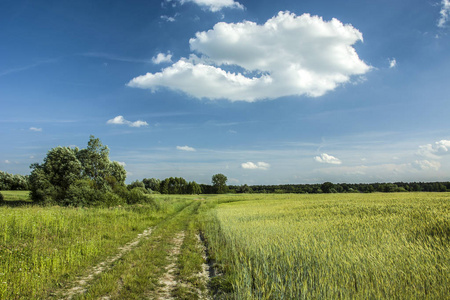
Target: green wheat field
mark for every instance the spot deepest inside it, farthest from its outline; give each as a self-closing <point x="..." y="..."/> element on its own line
<point x="333" y="246"/>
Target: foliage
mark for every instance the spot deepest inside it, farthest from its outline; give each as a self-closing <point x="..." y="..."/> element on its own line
<point x="328" y="187"/>
<point x="353" y="246"/>
<point x="69" y="176"/>
<point x="219" y="182"/>
<point x="10" y="182"/>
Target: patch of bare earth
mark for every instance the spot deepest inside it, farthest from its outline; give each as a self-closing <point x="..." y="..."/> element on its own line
<point x="168" y="281"/>
<point x="80" y="286"/>
<point x="206" y="272"/>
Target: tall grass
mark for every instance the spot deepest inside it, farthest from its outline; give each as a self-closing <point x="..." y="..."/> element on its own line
<point x="390" y="246"/>
<point x="43" y="248"/>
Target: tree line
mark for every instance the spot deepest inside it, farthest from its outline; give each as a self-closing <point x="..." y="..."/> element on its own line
<point x="80" y="177"/>
<point x="329" y="187"/>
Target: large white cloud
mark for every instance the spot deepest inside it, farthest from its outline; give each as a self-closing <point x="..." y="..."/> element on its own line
<point x="288" y="55"/>
<point x="328" y="159"/>
<point x="258" y="166"/>
<point x="120" y="120"/>
<point x="445" y="13"/>
<point x="215" y="5"/>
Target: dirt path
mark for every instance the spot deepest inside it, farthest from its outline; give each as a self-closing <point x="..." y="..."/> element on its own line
<point x="80" y="285"/>
<point x="205" y="274"/>
<point x="168" y="279"/>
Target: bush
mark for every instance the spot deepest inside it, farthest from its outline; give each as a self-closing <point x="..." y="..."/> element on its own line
<point x="1" y="198"/>
<point x="139" y="196"/>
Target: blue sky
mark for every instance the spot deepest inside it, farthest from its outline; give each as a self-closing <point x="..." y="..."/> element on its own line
<point x="265" y="92"/>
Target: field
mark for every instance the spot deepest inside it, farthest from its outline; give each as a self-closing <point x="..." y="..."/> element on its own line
<point x="351" y="246"/>
<point x="16" y="195"/>
<point x="287" y="246"/>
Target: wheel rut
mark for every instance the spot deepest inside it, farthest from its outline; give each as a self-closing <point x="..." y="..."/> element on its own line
<point x="80" y="285"/>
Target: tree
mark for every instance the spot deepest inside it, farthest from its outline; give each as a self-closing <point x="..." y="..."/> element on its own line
<point x="219" y="182"/>
<point x="152" y="184"/>
<point x="193" y="188"/>
<point x="69" y="176"/>
<point x="95" y="161"/>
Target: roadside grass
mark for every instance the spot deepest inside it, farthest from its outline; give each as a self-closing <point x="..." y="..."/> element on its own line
<point x="42" y="249"/>
<point x="363" y="246"/>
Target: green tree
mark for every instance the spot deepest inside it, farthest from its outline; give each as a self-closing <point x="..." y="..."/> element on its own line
<point x="193" y="188"/>
<point x="69" y="176"/>
<point x="219" y="182"/>
<point x="52" y="179"/>
<point x="95" y="161"/>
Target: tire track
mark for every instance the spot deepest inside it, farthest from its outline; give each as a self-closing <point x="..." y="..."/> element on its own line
<point x="168" y="279"/>
<point x="80" y="286"/>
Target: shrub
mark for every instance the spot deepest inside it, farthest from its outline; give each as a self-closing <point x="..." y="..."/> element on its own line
<point x="1" y="198"/>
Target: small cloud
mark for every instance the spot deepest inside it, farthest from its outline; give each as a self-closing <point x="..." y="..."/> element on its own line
<point x="392" y="63"/>
<point x="162" y="58"/>
<point x="445" y="13"/>
<point x="434" y="151"/>
<point x="215" y="5"/>
<point x="120" y="120"/>
<point x="186" y="148"/>
<point x="7" y="162"/>
<point x="328" y="159"/>
<point x="233" y="181"/>
<point x="35" y="129"/>
<point x="258" y="166"/>
<point x="232" y="131"/>
<point x="123" y="164"/>
<point x="167" y="18"/>
<point x="31" y="156"/>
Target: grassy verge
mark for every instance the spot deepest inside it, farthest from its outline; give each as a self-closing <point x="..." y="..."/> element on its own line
<point x="389" y="246"/>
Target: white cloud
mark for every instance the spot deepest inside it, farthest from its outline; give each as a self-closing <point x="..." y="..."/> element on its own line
<point x="445" y="13"/>
<point x="215" y="5"/>
<point x="167" y="18"/>
<point x="328" y="159"/>
<point x="185" y="148"/>
<point x="120" y="120"/>
<point x="7" y="162"/>
<point x="258" y="166"/>
<point x="288" y="55"/>
<point x="427" y="164"/>
<point x="162" y="58"/>
<point x="392" y="63"/>
<point x="36" y="129"/>
<point x="434" y="151"/>
<point x="123" y="164"/>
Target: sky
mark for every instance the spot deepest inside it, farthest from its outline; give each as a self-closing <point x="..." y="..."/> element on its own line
<point x="265" y="92"/>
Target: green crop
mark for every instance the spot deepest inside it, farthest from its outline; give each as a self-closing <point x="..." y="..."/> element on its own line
<point x="351" y="246"/>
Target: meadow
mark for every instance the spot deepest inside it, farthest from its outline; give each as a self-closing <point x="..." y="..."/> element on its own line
<point x="44" y="250"/>
<point x="334" y="246"/>
<point x="262" y="246"/>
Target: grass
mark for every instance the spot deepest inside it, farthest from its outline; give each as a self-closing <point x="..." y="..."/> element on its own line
<point x="389" y="246"/>
<point x="370" y="246"/>
<point x="42" y="249"/>
<point x="16" y="195"/>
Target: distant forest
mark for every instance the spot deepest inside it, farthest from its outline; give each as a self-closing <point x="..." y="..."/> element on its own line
<point x="177" y="185"/>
